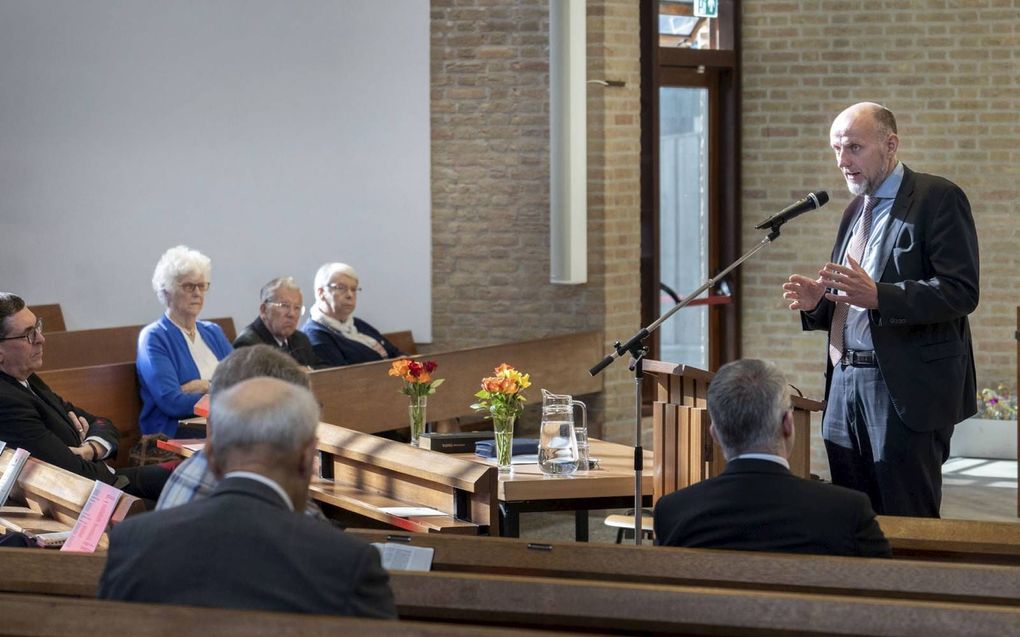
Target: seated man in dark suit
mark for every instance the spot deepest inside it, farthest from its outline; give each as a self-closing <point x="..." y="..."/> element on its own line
<point x="247" y="545"/>
<point x="51" y="429"/>
<point x="757" y="504"/>
<point x="280" y="309"/>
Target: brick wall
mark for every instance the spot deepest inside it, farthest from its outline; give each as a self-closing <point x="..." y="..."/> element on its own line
<point x="950" y="72"/>
<point x="490" y="181"/>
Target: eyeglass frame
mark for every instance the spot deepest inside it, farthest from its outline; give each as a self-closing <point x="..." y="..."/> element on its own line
<point x="191" y="288"/>
<point x="32" y="335"/>
<point x="284" y="306"/>
<point x="343" y="289"/>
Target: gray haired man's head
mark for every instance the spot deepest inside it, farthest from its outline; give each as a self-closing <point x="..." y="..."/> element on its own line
<point x="256" y="361"/>
<point x="748" y="400"/>
<point x="262" y="417"/>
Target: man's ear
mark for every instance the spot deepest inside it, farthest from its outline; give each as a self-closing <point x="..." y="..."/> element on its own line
<point x="892" y="144"/>
<point x="308" y="455"/>
<point x="714" y="434"/>
<point x="786" y="425"/>
<point x="213" y="459"/>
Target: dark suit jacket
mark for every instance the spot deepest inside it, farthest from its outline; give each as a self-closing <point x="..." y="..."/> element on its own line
<point x="334" y="350"/>
<point x="38" y="422"/>
<point x="243" y="548"/>
<point x="298" y="345"/>
<point x="758" y="505"/>
<point x="928" y="286"/>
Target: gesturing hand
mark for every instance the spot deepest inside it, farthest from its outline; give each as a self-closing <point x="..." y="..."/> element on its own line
<point x="803" y="293"/>
<point x="856" y="285"/>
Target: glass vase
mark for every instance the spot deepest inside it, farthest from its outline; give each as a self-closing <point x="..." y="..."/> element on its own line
<point x="503" y="428"/>
<point x="416" y="417"/>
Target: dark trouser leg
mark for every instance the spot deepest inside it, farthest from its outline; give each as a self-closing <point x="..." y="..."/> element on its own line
<point x="870" y="448"/>
<point x="145" y="482"/>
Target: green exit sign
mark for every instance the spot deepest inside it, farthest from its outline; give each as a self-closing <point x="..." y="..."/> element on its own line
<point x="706" y="8"/>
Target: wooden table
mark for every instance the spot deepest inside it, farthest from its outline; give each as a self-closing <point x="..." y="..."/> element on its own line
<point x="611" y="486"/>
<point x="528" y="490"/>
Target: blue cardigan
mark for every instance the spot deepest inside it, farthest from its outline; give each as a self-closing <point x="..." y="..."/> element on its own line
<point x="164" y="364"/>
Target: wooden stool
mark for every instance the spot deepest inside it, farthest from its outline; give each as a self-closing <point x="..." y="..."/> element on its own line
<point x="624" y="523"/>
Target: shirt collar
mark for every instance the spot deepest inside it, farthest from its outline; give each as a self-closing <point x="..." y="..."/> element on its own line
<point x="891" y="185"/>
<point x="764" y="456"/>
<point x="264" y="480"/>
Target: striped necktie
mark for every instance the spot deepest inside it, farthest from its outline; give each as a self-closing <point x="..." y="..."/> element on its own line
<point x="837" y="328"/>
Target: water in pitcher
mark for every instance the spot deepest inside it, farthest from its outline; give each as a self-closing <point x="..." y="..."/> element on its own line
<point x="557" y="448"/>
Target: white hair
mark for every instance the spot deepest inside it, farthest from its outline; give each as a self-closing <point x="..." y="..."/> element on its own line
<point x="329" y="270"/>
<point x="269" y="290"/>
<point x="175" y="263"/>
<point x="263" y="412"/>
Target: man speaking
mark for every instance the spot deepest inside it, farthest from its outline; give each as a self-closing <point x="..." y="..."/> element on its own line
<point x="894" y="300"/>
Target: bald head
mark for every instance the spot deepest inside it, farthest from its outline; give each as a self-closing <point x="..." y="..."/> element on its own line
<point x="865" y="141"/>
<point x="268" y="417"/>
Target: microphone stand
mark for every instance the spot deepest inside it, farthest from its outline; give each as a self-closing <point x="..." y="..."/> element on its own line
<point x="637" y="350"/>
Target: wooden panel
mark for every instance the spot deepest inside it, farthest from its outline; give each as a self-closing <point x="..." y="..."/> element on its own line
<point x="404" y="341"/>
<point x="719" y="568"/>
<point x="52" y="317"/>
<point x="637" y="608"/>
<point x="953" y="540"/>
<point x="110" y="391"/>
<point x="102" y="346"/>
<point x="364" y="398"/>
<point x="37" y="616"/>
<point x="369" y="505"/>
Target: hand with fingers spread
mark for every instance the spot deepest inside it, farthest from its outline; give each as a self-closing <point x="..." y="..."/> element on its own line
<point x="803" y="293"/>
<point x="854" y="284"/>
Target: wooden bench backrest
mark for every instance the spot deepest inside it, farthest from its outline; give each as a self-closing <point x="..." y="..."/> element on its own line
<point x="970" y="541"/>
<point x="364" y="398"/>
<point x="881" y="578"/>
<point x="60" y="494"/>
<point x="110" y="391"/>
<point x="36" y="615"/>
<point x="102" y="346"/>
<point x="52" y="317"/>
<point x="404" y="341"/>
<point x="466" y="490"/>
<point x="567" y="604"/>
<point x="639" y="608"/>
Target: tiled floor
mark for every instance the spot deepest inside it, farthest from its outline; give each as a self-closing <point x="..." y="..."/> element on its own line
<point x="973" y="489"/>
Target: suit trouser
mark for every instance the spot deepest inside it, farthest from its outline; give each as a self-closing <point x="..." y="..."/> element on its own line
<point x="870" y="449"/>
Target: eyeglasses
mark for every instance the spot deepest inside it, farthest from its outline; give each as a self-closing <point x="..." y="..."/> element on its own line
<point x="287" y="307"/>
<point x="191" y="288"/>
<point x="33" y="334"/>
<point x="343" y="289"/>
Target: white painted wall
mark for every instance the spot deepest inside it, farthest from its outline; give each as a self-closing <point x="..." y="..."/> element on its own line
<point x="271" y="135"/>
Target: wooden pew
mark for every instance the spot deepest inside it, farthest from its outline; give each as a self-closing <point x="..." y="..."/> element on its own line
<point x="52" y="317"/>
<point x="585" y="605"/>
<point x="110" y="391"/>
<point x="363" y="473"/>
<point x="102" y="346"/>
<point x="404" y="341"/>
<point x="49" y="616"/>
<point x="57" y="495"/>
<point x="977" y="542"/>
<point x="364" y="398"/>
<point x="881" y="578"/>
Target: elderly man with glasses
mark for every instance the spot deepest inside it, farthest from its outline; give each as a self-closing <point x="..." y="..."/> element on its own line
<point x="280" y="310"/>
<point x="53" y="430"/>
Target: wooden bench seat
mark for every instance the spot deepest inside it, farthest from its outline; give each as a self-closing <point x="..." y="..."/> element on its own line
<point x="881" y="578"/>
<point x="363" y="473"/>
<point x="52" y="317"/>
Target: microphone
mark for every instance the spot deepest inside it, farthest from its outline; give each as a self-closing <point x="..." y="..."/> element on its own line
<point x="812" y="201"/>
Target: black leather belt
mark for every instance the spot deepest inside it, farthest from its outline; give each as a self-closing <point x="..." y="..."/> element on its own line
<point x="860" y="358"/>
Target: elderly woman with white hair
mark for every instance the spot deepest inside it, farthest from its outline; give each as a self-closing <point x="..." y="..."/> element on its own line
<point x="337" y="337"/>
<point x="178" y="353"/>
